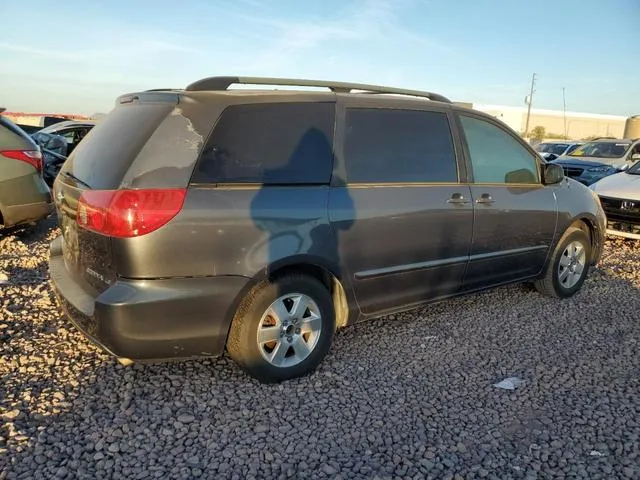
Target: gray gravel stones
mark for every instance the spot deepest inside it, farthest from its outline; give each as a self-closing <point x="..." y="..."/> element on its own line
<point x="408" y="396"/>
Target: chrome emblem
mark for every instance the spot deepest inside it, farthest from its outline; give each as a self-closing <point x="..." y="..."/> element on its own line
<point x="95" y="274"/>
<point x="627" y="205"/>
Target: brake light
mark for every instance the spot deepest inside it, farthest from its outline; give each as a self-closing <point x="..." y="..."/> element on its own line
<point x="32" y="157"/>
<point x="128" y="213"/>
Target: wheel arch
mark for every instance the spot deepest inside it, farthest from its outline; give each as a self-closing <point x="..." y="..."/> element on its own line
<point x="590" y="227"/>
<point x="328" y="274"/>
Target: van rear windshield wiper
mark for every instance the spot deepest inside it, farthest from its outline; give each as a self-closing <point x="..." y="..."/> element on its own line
<point x="76" y="179"/>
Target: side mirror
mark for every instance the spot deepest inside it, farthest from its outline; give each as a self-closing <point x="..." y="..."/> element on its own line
<point x="551" y="157"/>
<point x="553" y="174"/>
<point x="635" y="157"/>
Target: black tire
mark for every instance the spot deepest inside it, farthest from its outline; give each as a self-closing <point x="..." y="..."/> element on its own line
<point x="242" y="343"/>
<point x="550" y="284"/>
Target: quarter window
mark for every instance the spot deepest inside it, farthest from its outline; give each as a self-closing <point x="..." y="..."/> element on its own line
<point x="398" y="146"/>
<point x="497" y="157"/>
<point x="282" y="143"/>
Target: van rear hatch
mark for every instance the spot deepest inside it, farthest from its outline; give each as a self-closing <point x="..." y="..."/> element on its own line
<point x="89" y="188"/>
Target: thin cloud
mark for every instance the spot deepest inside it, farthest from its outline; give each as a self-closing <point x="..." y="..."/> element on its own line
<point x="250" y="40"/>
<point x="99" y="51"/>
<point x="40" y="52"/>
<point x="371" y="20"/>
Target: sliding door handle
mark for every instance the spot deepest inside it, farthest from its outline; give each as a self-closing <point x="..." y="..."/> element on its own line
<point x="485" y="199"/>
<point x="458" y="199"/>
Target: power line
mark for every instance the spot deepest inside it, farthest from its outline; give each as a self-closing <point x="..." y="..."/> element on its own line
<point x="564" y="113"/>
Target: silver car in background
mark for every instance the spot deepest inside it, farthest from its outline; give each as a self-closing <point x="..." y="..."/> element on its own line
<point x="620" y="198"/>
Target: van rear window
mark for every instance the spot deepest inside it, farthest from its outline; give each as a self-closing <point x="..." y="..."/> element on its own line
<point x="103" y="157"/>
<point x="274" y="143"/>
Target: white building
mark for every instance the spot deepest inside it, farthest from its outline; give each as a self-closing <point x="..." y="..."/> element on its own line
<point x="575" y="125"/>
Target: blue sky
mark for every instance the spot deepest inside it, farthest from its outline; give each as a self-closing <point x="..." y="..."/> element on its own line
<point x="77" y="56"/>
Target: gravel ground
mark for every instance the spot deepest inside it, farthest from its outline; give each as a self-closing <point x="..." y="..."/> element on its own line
<point x="407" y="397"/>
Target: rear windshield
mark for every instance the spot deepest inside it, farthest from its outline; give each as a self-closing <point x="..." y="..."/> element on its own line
<point x="102" y="158"/>
<point x="11" y="135"/>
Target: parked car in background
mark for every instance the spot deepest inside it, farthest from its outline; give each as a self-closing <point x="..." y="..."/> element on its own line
<point x="72" y="130"/>
<point x="206" y="218"/>
<point x="620" y="197"/>
<point x="45" y="121"/>
<point x="54" y="149"/>
<point x="595" y="160"/>
<point x="57" y="142"/>
<point x="24" y="196"/>
<point x="553" y="149"/>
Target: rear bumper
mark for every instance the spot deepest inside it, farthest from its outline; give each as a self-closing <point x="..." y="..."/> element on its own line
<point x="31" y="212"/>
<point x="150" y="319"/>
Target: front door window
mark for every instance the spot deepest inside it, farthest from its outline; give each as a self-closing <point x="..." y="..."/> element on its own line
<point x="497" y="157"/>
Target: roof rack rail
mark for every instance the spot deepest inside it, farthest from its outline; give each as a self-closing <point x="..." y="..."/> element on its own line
<point x="223" y="83"/>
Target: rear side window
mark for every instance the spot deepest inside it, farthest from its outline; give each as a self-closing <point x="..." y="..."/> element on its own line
<point x="282" y="143"/>
<point x="106" y="153"/>
<point x="398" y="146"/>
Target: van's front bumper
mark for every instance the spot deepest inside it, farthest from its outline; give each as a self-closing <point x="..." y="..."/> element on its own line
<point x="150" y="319"/>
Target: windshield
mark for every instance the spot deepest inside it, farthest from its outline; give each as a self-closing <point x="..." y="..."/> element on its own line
<point x="572" y="148"/>
<point x="555" y="148"/>
<point x="635" y="169"/>
<point x="601" y="149"/>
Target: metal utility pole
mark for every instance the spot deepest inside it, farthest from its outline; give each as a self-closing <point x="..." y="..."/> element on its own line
<point x="528" y="100"/>
<point x="564" y="113"/>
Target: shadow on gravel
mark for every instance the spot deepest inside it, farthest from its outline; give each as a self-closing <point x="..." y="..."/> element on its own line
<point x="18" y="230"/>
<point x="31" y="233"/>
<point x="408" y="396"/>
<point x="33" y="276"/>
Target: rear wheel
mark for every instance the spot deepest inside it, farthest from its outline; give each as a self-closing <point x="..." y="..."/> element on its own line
<point x="283" y="328"/>
<point x="569" y="265"/>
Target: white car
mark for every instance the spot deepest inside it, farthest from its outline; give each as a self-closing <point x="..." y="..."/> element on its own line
<point x="620" y="198"/>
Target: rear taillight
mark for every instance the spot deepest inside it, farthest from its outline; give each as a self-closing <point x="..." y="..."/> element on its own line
<point x="32" y="157"/>
<point x="128" y="213"/>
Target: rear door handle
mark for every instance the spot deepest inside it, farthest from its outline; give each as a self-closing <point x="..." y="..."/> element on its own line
<point x="485" y="199"/>
<point x="457" y="199"/>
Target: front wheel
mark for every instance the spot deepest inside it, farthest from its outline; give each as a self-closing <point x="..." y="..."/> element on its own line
<point x="568" y="267"/>
<point x="283" y="328"/>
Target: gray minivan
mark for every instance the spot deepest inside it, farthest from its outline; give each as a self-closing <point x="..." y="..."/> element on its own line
<point x="260" y="220"/>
